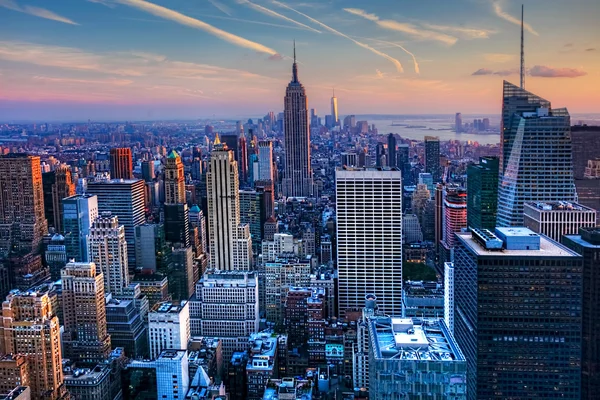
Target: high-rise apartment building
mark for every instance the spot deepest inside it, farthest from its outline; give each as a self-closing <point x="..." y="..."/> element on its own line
<point x="557" y="218"/>
<point x="79" y="213"/>
<point x="535" y="159"/>
<point x="108" y="250"/>
<point x="587" y="243"/>
<point x="225" y="306"/>
<point x="265" y="161"/>
<point x="437" y="366"/>
<point x="533" y="350"/>
<point x="174" y="179"/>
<point x="29" y="327"/>
<point x="391" y="151"/>
<point x="124" y="198"/>
<point x="482" y="193"/>
<point x="58" y="184"/>
<point x="85" y="336"/>
<point x="297" y="179"/>
<point x="22" y="219"/>
<point x="369" y="238"/>
<point x="432" y="157"/>
<point x="230" y="241"/>
<point x="121" y="163"/>
<point x="168" y="327"/>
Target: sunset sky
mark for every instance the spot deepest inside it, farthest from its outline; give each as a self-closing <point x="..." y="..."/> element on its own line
<point x="136" y="59"/>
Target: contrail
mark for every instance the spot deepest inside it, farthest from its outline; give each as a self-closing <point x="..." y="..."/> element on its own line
<point x="182" y="19"/>
<point x="36" y="11"/>
<point x="249" y="21"/>
<point x="417" y="70"/>
<point x="275" y="14"/>
<point x="222" y="7"/>
<point x="396" y="63"/>
<point x="502" y="14"/>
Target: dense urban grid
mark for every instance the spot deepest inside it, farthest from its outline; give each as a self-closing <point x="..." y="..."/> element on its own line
<point x="287" y="258"/>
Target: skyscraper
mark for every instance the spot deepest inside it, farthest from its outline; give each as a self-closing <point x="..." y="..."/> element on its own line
<point x="458" y="123"/>
<point x="79" y="213"/>
<point x="108" y="250"/>
<point x="243" y="157"/>
<point x="124" y="198"/>
<point x="230" y="242"/>
<point x="369" y="238"/>
<point x="86" y="337"/>
<point x="22" y="219"/>
<point x="482" y="193"/>
<point x="265" y="161"/>
<point x="534" y="350"/>
<point x="432" y="157"/>
<point x="334" y="109"/>
<point x="555" y="219"/>
<point x="121" y="164"/>
<point x="168" y="327"/>
<point x="297" y="180"/>
<point x="30" y="327"/>
<point x="391" y="157"/>
<point x="174" y="179"/>
<point x="587" y="243"/>
<point x="536" y="160"/>
<point x="454" y="218"/>
<point x="148" y="170"/>
<point x="57" y="185"/>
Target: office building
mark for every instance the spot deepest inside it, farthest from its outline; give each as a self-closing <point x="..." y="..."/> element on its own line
<point x="236" y="375"/>
<point x="30" y="328"/>
<point x="411" y="229"/>
<point x="297" y="178"/>
<point x="558" y="218"/>
<point x="449" y="296"/>
<point x="13" y="373"/>
<point x="454" y="217"/>
<point x="174" y="179"/>
<point x="587" y="243"/>
<point x="230" y="241"/>
<point x="458" y="126"/>
<point x="538" y="349"/>
<point x="88" y="383"/>
<point x="152" y="252"/>
<point x="432" y="157"/>
<point x="535" y="159"/>
<point x="79" y="213"/>
<point x="586" y="147"/>
<point x="334" y="110"/>
<point x="391" y="151"/>
<point x="262" y="363"/>
<point x="279" y="276"/>
<point x="57" y="184"/>
<point x="414" y="361"/>
<point x="380" y="160"/>
<point x="148" y="171"/>
<point x="183" y="273"/>
<point x="121" y="163"/>
<point x="126" y="328"/>
<point x="124" y="198"/>
<point x="168" y="327"/>
<point x="425" y="178"/>
<point x="265" y="161"/>
<point x="177" y="224"/>
<point x="22" y="220"/>
<point x="108" y="250"/>
<point x="154" y="286"/>
<point x="85" y="336"/>
<point x="225" y="306"/>
<point x="482" y="193"/>
<point x="423" y="300"/>
<point x="172" y="375"/>
<point x="369" y="238"/>
<point x="56" y="256"/>
<point x="253" y="214"/>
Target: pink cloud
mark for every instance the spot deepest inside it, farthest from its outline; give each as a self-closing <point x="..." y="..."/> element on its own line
<point x="551" y="72"/>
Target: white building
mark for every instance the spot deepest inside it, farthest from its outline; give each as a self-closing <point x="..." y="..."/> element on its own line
<point x="108" y="249"/>
<point x="168" y="327"/>
<point x="558" y="218"/>
<point x="369" y="238"/>
<point x="230" y="241"/>
<point x="280" y="275"/>
<point x="281" y="243"/>
<point x="225" y="306"/>
<point x="172" y="375"/>
<point x="449" y="295"/>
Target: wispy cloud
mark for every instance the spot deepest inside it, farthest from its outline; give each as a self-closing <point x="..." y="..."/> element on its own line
<point x="498" y="57"/>
<point x="396" y="63"/>
<point x="249" y="21"/>
<point x="36" y="11"/>
<point x="487" y="71"/>
<point x="103" y="2"/>
<point x="461" y="31"/>
<point x="275" y="14"/>
<point x="551" y="72"/>
<point x="163" y="12"/>
<point x="590" y="49"/>
<point x="410" y="29"/>
<point x="111" y="81"/>
<point x="504" y="15"/>
<point x="222" y="7"/>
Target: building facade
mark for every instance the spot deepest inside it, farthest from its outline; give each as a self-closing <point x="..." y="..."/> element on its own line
<point x="121" y="163"/>
<point x="79" y="213"/>
<point x="168" y="327"/>
<point x="482" y="193"/>
<point x="174" y="179"/>
<point x="557" y="218"/>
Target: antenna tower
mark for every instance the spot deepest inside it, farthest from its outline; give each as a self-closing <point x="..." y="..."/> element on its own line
<point x="522" y="50"/>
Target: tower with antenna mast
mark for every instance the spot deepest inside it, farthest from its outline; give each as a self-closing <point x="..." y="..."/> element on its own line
<point x="522" y="72"/>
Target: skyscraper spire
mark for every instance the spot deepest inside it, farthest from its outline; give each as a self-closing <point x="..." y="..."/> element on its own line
<point x="295" y="66"/>
<point x="522" y="49"/>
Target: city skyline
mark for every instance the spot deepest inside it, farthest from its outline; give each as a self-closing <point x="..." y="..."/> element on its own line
<point x="134" y="59"/>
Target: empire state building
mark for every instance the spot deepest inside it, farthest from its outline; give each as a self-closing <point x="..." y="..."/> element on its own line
<point x="297" y="180"/>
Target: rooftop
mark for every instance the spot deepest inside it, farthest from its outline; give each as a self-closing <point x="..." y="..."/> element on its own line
<point x="402" y="339"/>
<point x="172" y="355"/>
<point x="558" y="206"/>
<point x="168" y="307"/>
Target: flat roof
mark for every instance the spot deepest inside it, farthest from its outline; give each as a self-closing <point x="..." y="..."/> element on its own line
<point x="548" y="247"/>
<point x="168" y="307"/>
<point x="582" y="242"/>
<point x="402" y="339"/>
<point x="558" y="206"/>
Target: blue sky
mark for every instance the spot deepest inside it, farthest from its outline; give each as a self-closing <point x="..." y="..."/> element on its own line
<point x="135" y="59"/>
